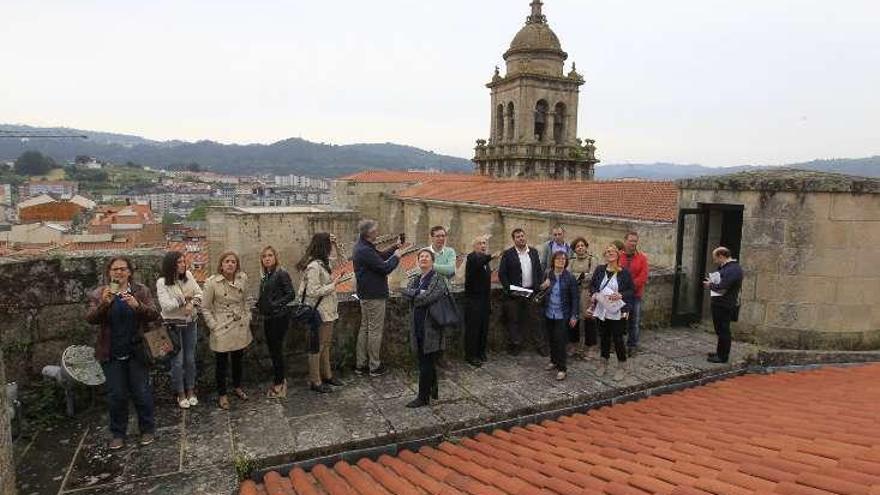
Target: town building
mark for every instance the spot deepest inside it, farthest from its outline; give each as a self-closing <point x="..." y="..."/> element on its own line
<point x="60" y="188"/>
<point x="45" y="208"/>
<point x="533" y="130"/>
<point x="135" y="223"/>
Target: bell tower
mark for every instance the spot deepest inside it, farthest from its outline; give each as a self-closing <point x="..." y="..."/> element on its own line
<point x="533" y="130"/>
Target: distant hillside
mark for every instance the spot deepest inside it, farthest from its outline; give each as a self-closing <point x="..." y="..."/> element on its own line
<point x="298" y="156"/>
<point x="290" y="156"/>
<point x="866" y="167"/>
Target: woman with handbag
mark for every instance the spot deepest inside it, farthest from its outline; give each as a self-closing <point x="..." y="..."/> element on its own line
<point x="124" y="309"/>
<point x="612" y="290"/>
<point x="276" y="292"/>
<point x="581" y="267"/>
<point x="561" y="305"/>
<point x="424" y="291"/>
<point x="179" y="298"/>
<point x="228" y="318"/>
<point x="318" y="292"/>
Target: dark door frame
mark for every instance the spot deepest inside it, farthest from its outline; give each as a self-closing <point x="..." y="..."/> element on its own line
<point x="679" y="319"/>
<point x="702" y="211"/>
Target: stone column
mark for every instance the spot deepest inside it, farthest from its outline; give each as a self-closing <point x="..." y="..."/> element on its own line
<point x="7" y="467"/>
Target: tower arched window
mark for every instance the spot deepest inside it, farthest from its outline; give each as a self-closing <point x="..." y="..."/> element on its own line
<point x="499" y="122"/>
<point x="559" y="123"/>
<point x="511" y="122"/>
<point x="541" y="111"/>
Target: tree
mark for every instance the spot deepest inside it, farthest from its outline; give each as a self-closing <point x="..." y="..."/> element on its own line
<point x="200" y="212"/>
<point x="170" y="219"/>
<point x="34" y="163"/>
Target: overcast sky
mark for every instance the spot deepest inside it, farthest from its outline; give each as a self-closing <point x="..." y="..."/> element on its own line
<point x="716" y="82"/>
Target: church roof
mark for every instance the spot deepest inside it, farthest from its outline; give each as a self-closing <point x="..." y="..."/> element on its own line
<point x="392" y="176"/>
<point x="536" y="36"/>
<point x="655" y="201"/>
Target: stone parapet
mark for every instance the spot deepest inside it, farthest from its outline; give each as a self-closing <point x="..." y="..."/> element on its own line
<point x="44" y="300"/>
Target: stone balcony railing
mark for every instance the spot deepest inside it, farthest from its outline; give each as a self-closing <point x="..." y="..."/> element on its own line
<point x="43" y="302"/>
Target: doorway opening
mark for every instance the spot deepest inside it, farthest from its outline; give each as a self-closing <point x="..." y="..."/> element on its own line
<point x="700" y="230"/>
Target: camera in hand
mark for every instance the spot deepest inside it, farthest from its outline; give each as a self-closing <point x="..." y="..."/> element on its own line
<point x="114" y="287"/>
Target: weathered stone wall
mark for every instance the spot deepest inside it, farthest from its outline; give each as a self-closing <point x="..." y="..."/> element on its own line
<point x="44" y="313"/>
<point x="7" y="468"/>
<point x="289" y="232"/>
<point x="43" y="302"/>
<point x="465" y="222"/>
<point x="812" y="261"/>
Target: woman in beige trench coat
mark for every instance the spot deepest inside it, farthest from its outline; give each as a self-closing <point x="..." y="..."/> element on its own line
<point x="228" y="318"/>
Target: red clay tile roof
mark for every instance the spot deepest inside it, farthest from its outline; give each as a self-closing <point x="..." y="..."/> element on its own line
<point x="414" y="177"/>
<point x="641" y="200"/>
<point x="809" y="433"/>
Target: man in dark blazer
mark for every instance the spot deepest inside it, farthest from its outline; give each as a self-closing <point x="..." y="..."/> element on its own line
<point x="521" y="266"/>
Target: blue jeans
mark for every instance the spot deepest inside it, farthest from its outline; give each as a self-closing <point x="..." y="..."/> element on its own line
<point x="183" y="365"/>
<point x="635" y="319"/>
<point x="128" y="379"/>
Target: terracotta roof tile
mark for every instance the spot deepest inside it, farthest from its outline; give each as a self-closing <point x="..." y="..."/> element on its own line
<point x="642" y="200"/>
<point x="393" y="176"/>
<point x="620" y="450"/>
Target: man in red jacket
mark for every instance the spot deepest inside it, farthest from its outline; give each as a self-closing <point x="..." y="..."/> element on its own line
<point x="636" y="263"/>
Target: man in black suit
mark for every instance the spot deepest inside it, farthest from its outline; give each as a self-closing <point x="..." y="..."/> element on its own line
<point x="520" y="265"/>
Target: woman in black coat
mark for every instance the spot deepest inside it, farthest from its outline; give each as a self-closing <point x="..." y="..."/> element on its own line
<point x="426" y="337"/>
<point x="276" y="292"/>
<point x="612" y="291"/>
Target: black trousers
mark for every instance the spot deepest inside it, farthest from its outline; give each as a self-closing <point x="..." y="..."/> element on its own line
<point x="276" y="330"/>
<point x="221" y="361"/>
<point x="557" y="337"/>
<point x="476" y="328"/>
<point x="591" y="333"/>
<point x="427" y="374"/>
<point x="721" y="321"/>
<point x="522" y="323"/>
<point x="612" y="331"/>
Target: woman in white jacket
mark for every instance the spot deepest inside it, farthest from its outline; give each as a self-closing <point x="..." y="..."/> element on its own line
<point x="319" y="287"/>
<point x="179" y="297"/>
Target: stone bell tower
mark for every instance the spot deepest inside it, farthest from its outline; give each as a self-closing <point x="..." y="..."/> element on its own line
<point x="533" y="134"/>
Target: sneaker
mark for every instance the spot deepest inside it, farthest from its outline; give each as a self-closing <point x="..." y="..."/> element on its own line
<point x="183" y="403"/>
<point x="336" y="382"/>
<point x="716" y="359"/>
<point x="550" y="366"/>
<point x="193" y="401"/>
<point x="361" y="370"/>
<point x="619" y="374"/>
<point x="381" y="370"/>
<point x="117" y="443"/>
<point x="147" y="439"/>
<point x="632" y="350"/>
<point x="561" y="375"/>
<point x="475" y="363"/>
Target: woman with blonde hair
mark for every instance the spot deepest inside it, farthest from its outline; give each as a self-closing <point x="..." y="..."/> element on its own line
<point x="612" y="290"/>
<point x="276" y="292"/>
<point x="228" y="317"/>
<point x="318" y="289"/>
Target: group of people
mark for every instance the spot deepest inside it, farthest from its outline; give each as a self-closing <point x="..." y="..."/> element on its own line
<point x="125" y="311"/>
<point x="582" y="305"/>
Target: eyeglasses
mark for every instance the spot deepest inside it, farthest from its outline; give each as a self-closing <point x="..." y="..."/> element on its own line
<point x="119" y="269"/>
